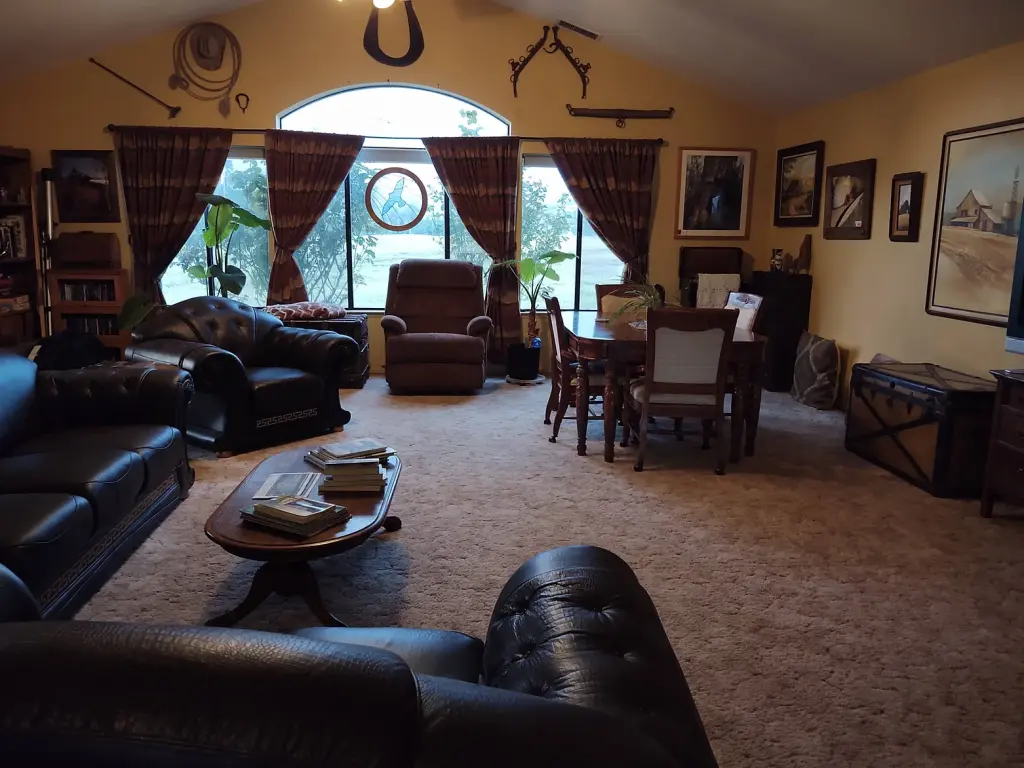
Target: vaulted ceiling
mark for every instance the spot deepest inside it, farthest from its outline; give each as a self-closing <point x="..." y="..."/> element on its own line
<point x="781" y="54"/>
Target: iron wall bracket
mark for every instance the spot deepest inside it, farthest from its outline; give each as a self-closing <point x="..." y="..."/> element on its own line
<point x="555" y="46"/>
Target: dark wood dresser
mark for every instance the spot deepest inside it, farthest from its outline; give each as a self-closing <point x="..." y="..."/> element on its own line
<point x="785" y="314"/>
<point x="1004" y="473"/>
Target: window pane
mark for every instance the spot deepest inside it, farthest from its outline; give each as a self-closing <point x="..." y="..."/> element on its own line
<point x="321" y="258"/>
<point x="375" y="248"/>
<point x="549" y="224"/>
<point x="244" y="181"/>
<point x="464" y="247"/>
<point x="600" y="267"/>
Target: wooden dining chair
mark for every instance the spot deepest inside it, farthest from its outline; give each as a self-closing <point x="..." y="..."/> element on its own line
<point x="688" y="353"/>
<point x="564" y="370"/>
<point x="748" y="305"/>
<point x="622" y="289"/>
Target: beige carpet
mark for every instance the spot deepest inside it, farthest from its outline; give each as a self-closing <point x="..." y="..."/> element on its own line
<point x="825" y="612"/>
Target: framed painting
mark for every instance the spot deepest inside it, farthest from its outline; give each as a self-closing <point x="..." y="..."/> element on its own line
<point x="849" y="196"/>
<point x="85" y="182"/>
<point x="905" y="207"/>
<point x="715" y="191"/>
<point x="977" y="223"/>
<point x="798" y="185"/>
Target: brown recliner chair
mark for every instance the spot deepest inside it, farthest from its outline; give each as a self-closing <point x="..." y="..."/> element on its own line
<point x="435" y="326"/>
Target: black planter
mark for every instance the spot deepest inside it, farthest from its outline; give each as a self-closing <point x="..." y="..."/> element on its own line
<point x="523" y="362"/>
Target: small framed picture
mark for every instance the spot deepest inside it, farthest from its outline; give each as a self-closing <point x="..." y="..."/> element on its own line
<point x="905" y="207"/>
<point x="798" y="185"/>
<point x="849" y="197"/>
<point x="715" y="190"/>
<point x="86" y="186"/>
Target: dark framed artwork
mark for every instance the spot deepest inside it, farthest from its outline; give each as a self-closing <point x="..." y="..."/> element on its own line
<point x="715" y="193"/>
<point x="849" y="196"/>
<point x="977" y="223"/>
<point x="798" y="185"/>
<point x="85" y="182"/>
<point x="905" y="207"/>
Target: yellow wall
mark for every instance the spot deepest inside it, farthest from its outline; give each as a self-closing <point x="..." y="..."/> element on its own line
<point x="295" y="49"/>
<point x="870" y="295"/>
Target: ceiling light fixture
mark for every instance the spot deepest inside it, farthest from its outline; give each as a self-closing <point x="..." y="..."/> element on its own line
<point x="383" y="3"/>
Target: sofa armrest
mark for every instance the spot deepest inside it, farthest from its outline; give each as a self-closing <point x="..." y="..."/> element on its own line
<point x="322" y="353"/>
<point x="16" y="602"/>
<point x="393" y="325"/>
<point x="114" y="394"/>
<point x="479" y="326"/>
<point x="593" y="638"/>
<point x="213" y="369"/>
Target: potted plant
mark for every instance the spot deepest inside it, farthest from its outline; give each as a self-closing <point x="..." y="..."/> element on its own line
<point x="640" y="297"/>
<point x="222" y="219"/>
<point x="532" y="273"/>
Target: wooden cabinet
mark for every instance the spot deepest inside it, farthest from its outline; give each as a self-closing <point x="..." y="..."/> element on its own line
<point x="1004" y="474"/>
<point x="90" y="301"/>
<point x="783" y="317"/>
<point x="19" y="282"/>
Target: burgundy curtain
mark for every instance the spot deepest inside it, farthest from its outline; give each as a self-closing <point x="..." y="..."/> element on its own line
<point x="304" y="172"/>
<point x="612" y="182"/>
<point x="481" y="176"/>
<point x="162" y="171"/>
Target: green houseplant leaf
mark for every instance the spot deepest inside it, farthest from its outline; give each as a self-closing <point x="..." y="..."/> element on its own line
<point x="214" y="200"/>
<point x="198" y="272"/>
<point x="231" y="279"/>
<point x="134" y="311"/>
<point x="248" y="219"/>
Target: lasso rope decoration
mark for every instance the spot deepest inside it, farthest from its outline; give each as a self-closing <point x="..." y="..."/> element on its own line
<point x="202" y="48"/>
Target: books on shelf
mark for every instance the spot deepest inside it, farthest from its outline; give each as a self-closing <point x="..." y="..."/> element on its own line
<point x="295" y="515"/>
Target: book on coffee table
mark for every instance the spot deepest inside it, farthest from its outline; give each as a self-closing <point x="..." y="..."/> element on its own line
<point x="288" y="484"/>
<point x="354" y="449"/>
<point x="296" y="515"/>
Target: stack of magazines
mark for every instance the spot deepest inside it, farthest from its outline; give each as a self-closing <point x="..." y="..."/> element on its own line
<point x="295" y="515"/>
<point x="326" y="457"/>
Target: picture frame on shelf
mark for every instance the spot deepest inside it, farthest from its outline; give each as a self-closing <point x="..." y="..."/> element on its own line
<point x="905" y="207"/>
<point x="977" y="223"/>
<point x="14" y="225"/>
<point x="715" y="193"/>
<point x="849" y="195"/>
<point x="86" y="186"/>
<point x="798" y="174"/>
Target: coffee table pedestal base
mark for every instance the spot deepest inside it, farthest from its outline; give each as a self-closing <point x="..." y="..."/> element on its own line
<point x="287" y="579"/>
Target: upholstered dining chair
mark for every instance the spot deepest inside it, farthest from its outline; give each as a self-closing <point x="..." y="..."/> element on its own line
<point x="621" y="289"/>
<point x="748" y="305"/>
<point x="685" y="376"/>
<point x="564" y="371"/>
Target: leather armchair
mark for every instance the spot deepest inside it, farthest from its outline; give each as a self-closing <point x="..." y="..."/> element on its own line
<point x="258" y="382"/>
<point x="435" y="326"/>
<point x="576" y="672"/>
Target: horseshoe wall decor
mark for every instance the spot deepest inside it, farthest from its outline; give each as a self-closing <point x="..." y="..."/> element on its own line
<point x="371" y="39"/>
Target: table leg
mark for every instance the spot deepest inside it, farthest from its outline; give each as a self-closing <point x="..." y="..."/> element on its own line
<point x="287" y="579"/>
<point x="753" y="413"/>
<point x="611" y="408"/>
<point x="582" y="405"/>
<point x="739" y="412"/>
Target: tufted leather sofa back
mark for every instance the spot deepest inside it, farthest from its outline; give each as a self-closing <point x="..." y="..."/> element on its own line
<point x="17" y="399"/>
<point x="434" y="295"/>
<point x="224" y="323"/>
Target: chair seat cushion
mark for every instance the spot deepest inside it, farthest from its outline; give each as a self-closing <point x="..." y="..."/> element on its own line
<point x="42" y="535"/>
<point x="161" y="448"/>
<point x="110" y="479"/>
<point x="283" y="390"/>
<point x="637" y="390"/>
<point x="435" y="348"/>
<point x="434" y="652"/>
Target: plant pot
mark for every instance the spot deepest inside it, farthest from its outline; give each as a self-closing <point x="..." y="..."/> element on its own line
<point x="522" y="362"/>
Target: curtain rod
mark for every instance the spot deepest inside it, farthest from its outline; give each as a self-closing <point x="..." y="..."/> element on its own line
<point x="254" y="131"/>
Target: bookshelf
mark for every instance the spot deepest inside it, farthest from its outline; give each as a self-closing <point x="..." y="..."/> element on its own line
<point x="19" y="277"/>
<point x="90" y="300"/>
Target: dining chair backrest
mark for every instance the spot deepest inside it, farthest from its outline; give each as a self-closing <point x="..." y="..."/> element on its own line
<point x="557" y="328"/>
<point x="713" y="289"/>
<point x="748" y="304"/>
<point x="621" y="290"/>
<point x="688" y="350"/>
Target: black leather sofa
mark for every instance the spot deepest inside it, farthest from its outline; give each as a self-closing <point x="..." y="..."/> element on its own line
<point x="90" y="461"/>
<point x="576" y="672"/>
<point x="258" y="382"/>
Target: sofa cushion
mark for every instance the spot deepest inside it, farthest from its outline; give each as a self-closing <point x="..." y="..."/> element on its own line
<point x="434" y="652"/>
<point x="162" y="448"/>
<point x="17" y="396"/>
<point x="42" y="535"/>
<point x="283" y="390"/>
<point x="435" y="348"/>
<point x="108" y="478"/>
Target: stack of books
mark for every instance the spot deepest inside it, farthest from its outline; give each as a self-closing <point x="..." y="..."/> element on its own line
<point x="354" y="476"/>
<point x="295" y="515"/>
<point x="328" y="456"/>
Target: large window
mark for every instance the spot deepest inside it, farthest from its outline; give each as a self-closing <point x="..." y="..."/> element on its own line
<point x="551" y="221"/>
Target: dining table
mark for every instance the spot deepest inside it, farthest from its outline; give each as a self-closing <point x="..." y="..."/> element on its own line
<point x="619" y="345"/>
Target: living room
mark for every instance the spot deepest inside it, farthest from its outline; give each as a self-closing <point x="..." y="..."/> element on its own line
<point x="824" y="609"/>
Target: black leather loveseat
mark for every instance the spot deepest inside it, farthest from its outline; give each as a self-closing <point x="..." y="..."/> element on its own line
<point x="90" y="461"/>
<point x="576" y="672"/>
<point x="258" y="382"/>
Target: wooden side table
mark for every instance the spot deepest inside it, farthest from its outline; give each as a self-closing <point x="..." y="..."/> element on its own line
<point x="1004" y="473"/>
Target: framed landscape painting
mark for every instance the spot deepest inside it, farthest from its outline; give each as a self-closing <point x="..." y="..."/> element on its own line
<point x="715" y="190"/>
<point x="86" y="186"/>
<point x="849" y="198"/>
<point x="977" y="223"/>
<point x="905" y="207"/>
<point x="798" y="185"/>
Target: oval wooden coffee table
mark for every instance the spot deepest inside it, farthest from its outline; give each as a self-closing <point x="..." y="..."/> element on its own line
<point x="286" y="569"/>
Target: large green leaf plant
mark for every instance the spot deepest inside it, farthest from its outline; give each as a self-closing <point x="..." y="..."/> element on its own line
<point x="223" y="219"/>
<point x="532" y="274"/>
